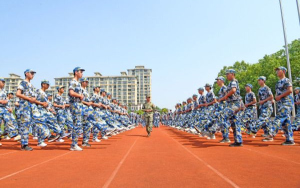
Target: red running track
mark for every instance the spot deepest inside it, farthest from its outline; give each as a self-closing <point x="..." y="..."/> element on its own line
<point x="169" y="158"/>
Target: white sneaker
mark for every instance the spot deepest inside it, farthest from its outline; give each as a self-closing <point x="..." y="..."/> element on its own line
<point x="104" y="137"/>
<point x="96" y="140"/>
<point x="7" y="138"/>
<point x="35" y="138"/>
<point x="113" y="134"/>
<point x="60" y="140"/>
<point x="76" y="148"/>
<point x="17" y="138"/>
<point x="0" y="144"/>
<point x="43" y="144"/>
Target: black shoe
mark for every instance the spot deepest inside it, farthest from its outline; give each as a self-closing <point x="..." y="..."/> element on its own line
<point x="26" y="148"/>
<point x="288" y="143"/>
<point x="236" y="145"/>
<point x="86" y="145"/>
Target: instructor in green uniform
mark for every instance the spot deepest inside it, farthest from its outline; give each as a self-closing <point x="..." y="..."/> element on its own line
<point x="148" y="108"/>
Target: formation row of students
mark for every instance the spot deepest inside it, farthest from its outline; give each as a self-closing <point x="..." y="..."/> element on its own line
<point x="76" y="116"/>
<point x="206" y="114"/>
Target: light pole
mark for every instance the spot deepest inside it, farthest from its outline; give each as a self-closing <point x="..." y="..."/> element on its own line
<point x="298" y="8"/>
<point x="286" y="51"/>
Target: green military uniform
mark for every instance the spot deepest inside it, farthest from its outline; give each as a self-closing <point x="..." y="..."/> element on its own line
<point x="149" y="116"/>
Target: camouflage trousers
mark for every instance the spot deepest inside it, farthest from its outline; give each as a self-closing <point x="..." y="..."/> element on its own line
<point x="77" y="115"/>
<point x="10" y="123"/>
<point x="283" y="118"/>
<point x="30" y="115"/>
<point x="61" y="120"/>
<point x="51" y="121"/>
<point x="149" y="123"/>
<point x="296" y="123"/>
<point x="263" y="120"/>
<point x="249" y="118"/>
<point x="231" y="119"/>
<point x="100" y="124"/>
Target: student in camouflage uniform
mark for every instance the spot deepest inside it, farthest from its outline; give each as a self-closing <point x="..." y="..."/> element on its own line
<point x="148" y="108"/>
<point x="265" y="97"/>
<point x="249" y="116"/>
<point x="44" y="107"/>
<point x="5" y="113"/>
<point x="296" y="123"/>
<point x="233" y="105"/>
<point x="59" y="105"/>
<point x="221" y="106"/>
<point x="29" y="112"/>
<point x="285" y="104"/>
<point x="76" y="98"/>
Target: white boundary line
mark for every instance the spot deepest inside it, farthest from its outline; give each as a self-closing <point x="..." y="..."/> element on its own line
<point x="8" y="153"/>
<point x="20" y="171"/>
<point x="206" y="164"/>
<point x="113" y="175"/>
<point x="270" y="155"/>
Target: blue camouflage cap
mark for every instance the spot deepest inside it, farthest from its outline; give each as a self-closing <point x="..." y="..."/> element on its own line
<point x="262" y="78"/>
<point x="45" y="82"/>
<point x="281" y="68"/>
<point x="102" y="90"/>
<point x="189" y="98"/>
<point x="201" y="88"/>
<point x="229" y="71"/>
<point x="29" y="70"/>
<point x="49" y="94"/>
<point x="297" y="88"/>
<point x="114" y="98"/>
<point x="108" y="94"/>
<point x="184" y="102"/>
<point x="249" y="85"/>
<point x="2" y="79"/>
<point x="207" y="85"/>
<point x="59" y="87"/>
<point x="221" y="78"/>
<point x="78" y="69"/>
<point x="195" y="95"/>
<point x="96" y="87"/>
<point x="84" y="80"/>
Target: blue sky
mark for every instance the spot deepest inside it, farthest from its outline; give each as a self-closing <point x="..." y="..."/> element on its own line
<point x="185" y="43"/>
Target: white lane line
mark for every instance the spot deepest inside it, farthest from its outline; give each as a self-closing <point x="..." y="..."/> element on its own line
<point x="113" y="175"/>
<point x="206" y="164"/>
<point x="8" y="153"/>
<point x="271" y="155"/>
<point x="20" y="171"/>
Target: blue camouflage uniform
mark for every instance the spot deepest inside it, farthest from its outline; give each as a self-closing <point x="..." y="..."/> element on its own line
<point x="285" y="106"/>
<point x="88" y="115"/>
<point x="156" y="118"/>
<point x="76" y="111"/>
<point x="220" y="112"/>
<point x="30" y="115"/>
<point x="265" y="110"/>
<point x="60" y="112"/>
<point x="100" y="125"/>
<point x="249" y="116"/>
<point x="51" y="120"/>
<point x="11" y="126"/>
<point x="232" y="106"/>
<point x="296" y="123"/>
